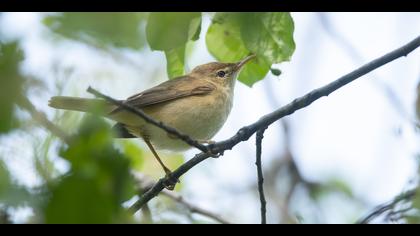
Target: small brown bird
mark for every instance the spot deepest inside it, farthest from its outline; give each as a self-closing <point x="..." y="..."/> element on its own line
<point x="196" y="104"/>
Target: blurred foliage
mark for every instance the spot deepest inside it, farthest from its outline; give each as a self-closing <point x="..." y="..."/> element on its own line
<point x="11" y="84"/>
<point x="11" y="193"/>
<point x="317" y="191"/>
<point x="170" y="32"/>
<point x="97" y="184"/>
<point x="98" y="180"/>
<point x="135" y="153"/>
<point x="120" y="30"/>
<point x="418" y="102"/>
<point x="413" y="217"/>
<point x="166" y="30"/>
<point x="230" y="38"/>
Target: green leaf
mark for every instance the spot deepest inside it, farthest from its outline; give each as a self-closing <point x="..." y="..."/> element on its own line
<point x="10" y="84"/>
<point x="175" y="62"/>
<point x="223" y="39"/>
<point x="104" y="29"/>
<point x="224" y="42"/>
<point x="195" y="29"/>
<point x="233" y="36"/>
<point x="275" y="71"/>
<point x="254" y="71"/>
<point x="98" y="182"/>
<point x="170" y="30"/>
<point x="269" y="35"/>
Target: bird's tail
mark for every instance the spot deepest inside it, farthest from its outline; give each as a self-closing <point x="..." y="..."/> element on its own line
<point x="80" y="104"/>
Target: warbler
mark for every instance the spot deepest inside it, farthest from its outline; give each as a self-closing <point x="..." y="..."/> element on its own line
<point x="196" y="104"/>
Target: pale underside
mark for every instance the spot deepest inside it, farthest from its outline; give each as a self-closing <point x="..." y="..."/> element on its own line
<point x="199" y="116"/>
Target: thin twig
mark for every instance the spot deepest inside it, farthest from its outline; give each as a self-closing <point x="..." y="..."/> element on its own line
<point x="145" y="182"/>
<point x="246" y="132"/>
<point x="286" y="161"/>
<point x="381" y="209"/>
<point x="187" y="139"/>
<point x="5" y="217"/>
<point x="42" y="119"/>
<point x="147" y="214"/>
<point x="263" y="202"/>
<point x="193" y="208"/>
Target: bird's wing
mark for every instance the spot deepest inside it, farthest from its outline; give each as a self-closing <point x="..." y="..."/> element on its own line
<point x="170" y="90"/>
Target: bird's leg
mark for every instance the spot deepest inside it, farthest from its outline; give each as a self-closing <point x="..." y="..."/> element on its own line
<point x="209" y="142"/>
<point x="170" y="184"/>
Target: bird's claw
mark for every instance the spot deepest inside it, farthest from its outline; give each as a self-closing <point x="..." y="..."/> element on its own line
<point x="170" y="181"/>
<point x="214" y="155"/>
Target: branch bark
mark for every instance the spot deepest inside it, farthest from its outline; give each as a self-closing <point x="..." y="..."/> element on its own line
<point x="145" y="182"/>
<point x="246" y="132"/>
<point x="381" y="209"/>
<point x="263" y="202"/>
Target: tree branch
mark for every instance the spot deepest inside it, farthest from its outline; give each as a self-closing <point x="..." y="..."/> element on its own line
<point x="259" y="138"/>
<point x="379" y="210"/>
<point x="246" y="132"/>
<point x="193" y="208"/>
<point x="145" y="182"/>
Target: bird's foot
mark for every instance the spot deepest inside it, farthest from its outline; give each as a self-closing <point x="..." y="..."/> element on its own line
<point x="209" y="152"/>
<point x="170" y="181"/>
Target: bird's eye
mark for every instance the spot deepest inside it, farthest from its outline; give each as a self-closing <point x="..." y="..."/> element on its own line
<point x="221" y="74"/>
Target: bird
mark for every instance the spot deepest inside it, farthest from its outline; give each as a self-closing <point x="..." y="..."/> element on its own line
<point x="196" y="104"/>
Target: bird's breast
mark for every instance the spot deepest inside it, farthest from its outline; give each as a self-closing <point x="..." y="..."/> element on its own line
<point x="200" y="117"/>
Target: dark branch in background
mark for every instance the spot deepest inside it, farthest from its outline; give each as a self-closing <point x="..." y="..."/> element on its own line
<point x="387" y="207"/>
<point x="4" y="217"/>
<point x="259" y="138"/>
<point x="284" y="163"/>
<point x="147" y="214"/>
<point x="150" y="120"/>
<point x="193" y="208"/>
<point x="145" y="182"/>
<point x="246" y="132"/>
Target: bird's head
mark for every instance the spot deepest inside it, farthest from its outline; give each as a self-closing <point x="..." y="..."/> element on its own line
<point x="220" y="73"/>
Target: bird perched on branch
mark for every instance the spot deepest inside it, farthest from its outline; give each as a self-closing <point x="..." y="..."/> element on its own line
<point x="196" y="104"/>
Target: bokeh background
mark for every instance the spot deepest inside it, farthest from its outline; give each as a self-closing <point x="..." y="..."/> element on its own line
<point x="331" y="162"/>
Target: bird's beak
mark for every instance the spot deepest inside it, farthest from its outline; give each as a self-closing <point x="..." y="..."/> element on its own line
<point x="244" y="61"/>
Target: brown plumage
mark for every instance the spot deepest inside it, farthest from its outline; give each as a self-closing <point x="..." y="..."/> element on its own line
<point x="196" y="104"/>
